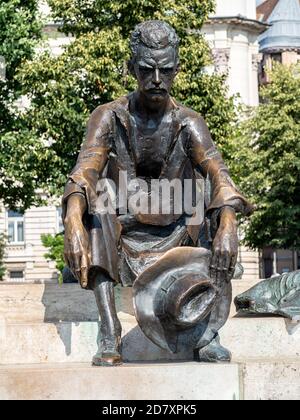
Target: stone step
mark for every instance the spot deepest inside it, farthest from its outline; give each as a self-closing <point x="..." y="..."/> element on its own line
<point x="75" y="342"/>
<point x="127" y="382"/>
<point x="51" y="302"/>
<point x="262" y="380"/>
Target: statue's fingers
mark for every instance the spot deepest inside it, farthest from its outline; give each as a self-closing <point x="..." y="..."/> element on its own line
<point x="225" y="265"/>
<point x="219" y="267"/>
<point x="75" y="265"/>
<point x="219" y="276"/>
<point x="84" y="277"/>
<point x="77" y="274"/>
<point x="70" y="265"/>
<point x="231" y="272"/>
<point x="75" y="270"/>
<point x="232" y="267"/>
<point x="214" y="266"/>
<point x="222" y="270"/>
<point x="234" y="260"/>
<point x="66" y="259"/>
<point x="84" y="269"/>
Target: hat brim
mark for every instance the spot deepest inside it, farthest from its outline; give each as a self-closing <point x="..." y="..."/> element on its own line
<point x="147" y="284"/>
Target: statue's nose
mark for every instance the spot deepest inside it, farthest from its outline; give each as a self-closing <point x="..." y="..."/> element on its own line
<point x="156" y="77"/>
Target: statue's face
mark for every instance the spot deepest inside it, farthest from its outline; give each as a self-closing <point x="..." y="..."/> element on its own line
<point x="155" y="71"/>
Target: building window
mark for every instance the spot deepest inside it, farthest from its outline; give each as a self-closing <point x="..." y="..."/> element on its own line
<point x="59" y="224"/>
<point x="277" y="57"/>
<point x="15" y="227"/>
<point x="16" y="275"/>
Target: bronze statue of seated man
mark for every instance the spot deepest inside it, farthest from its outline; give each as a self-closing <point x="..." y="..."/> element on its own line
<point x="148" y="136"/>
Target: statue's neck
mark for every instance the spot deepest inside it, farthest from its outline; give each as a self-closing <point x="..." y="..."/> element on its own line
<point x="146" y="109"/>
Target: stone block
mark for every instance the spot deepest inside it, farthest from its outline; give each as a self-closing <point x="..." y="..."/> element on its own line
<point x="267" y="380"/>
<point x="54" y="303"/>
<point x="253" y="338"/>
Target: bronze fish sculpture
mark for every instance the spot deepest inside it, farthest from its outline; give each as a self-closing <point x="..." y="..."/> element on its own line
<point x="279" y="295"/>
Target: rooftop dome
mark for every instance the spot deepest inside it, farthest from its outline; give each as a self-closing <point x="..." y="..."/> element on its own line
<point x="284" y="33"/>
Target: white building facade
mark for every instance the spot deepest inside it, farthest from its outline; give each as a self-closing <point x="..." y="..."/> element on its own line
<point x="25" y="255"/>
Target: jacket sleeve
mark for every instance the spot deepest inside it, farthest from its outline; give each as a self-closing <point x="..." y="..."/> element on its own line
<point x="92" y="159"/>
<point x="204" y="154"/>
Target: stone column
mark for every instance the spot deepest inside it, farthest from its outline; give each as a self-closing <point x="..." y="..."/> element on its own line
<point x="256" y="63"/>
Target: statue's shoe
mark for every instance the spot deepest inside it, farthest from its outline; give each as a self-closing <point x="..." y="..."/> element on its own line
<point x="213" y="353"/>
<point x="107" y="359"/>
<point x="109" y="353"/>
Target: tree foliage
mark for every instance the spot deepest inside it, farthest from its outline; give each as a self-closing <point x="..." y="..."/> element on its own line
<point x="91" y="71"/>
<point x="20" y="30"/>
<point x="55" y="245"/>
<point x="267" y="162"/>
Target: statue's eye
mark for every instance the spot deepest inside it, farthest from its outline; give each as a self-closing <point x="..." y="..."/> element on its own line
<point x="167" y="70"/>
<point x="145" y="69"/>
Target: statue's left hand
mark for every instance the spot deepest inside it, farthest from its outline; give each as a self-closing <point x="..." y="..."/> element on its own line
<point x="77" y="252"/>
<point x="225" y="247"/>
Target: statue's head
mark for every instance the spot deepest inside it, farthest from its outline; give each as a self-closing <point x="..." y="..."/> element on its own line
<point x="155" y="60"/>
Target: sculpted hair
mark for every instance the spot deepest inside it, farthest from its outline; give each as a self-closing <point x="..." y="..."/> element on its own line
<point x="154" y="34"/>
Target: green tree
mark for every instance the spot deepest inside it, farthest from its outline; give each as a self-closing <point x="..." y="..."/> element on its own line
<point x="2" y="253"/>
<point x="92" y="71"/>
<point x="55" y="245"/>
<point x="20" y="30"/>
<point x="267" y="162"/>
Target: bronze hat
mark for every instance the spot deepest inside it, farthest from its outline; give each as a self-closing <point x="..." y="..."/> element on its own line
<point x="174" y="295"/>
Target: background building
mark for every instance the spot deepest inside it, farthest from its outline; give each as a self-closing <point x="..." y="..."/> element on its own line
<point x="25" y="259"/>
<point x="281" y="42"/>
<point x="233" y="36"/>
<point x="233" y="33"/>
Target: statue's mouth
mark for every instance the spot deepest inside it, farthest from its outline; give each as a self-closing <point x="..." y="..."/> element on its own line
<point x="243" y="304"/>
<point x="157" y="91"/>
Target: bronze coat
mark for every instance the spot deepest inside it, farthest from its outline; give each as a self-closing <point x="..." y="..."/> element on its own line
<point x="189" y="153"/>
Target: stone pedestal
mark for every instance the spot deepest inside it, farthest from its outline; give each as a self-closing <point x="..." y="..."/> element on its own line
<point x="48" y="335"/>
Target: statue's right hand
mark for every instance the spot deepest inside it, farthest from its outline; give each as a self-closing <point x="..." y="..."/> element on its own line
<point x="77" y="248"/>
